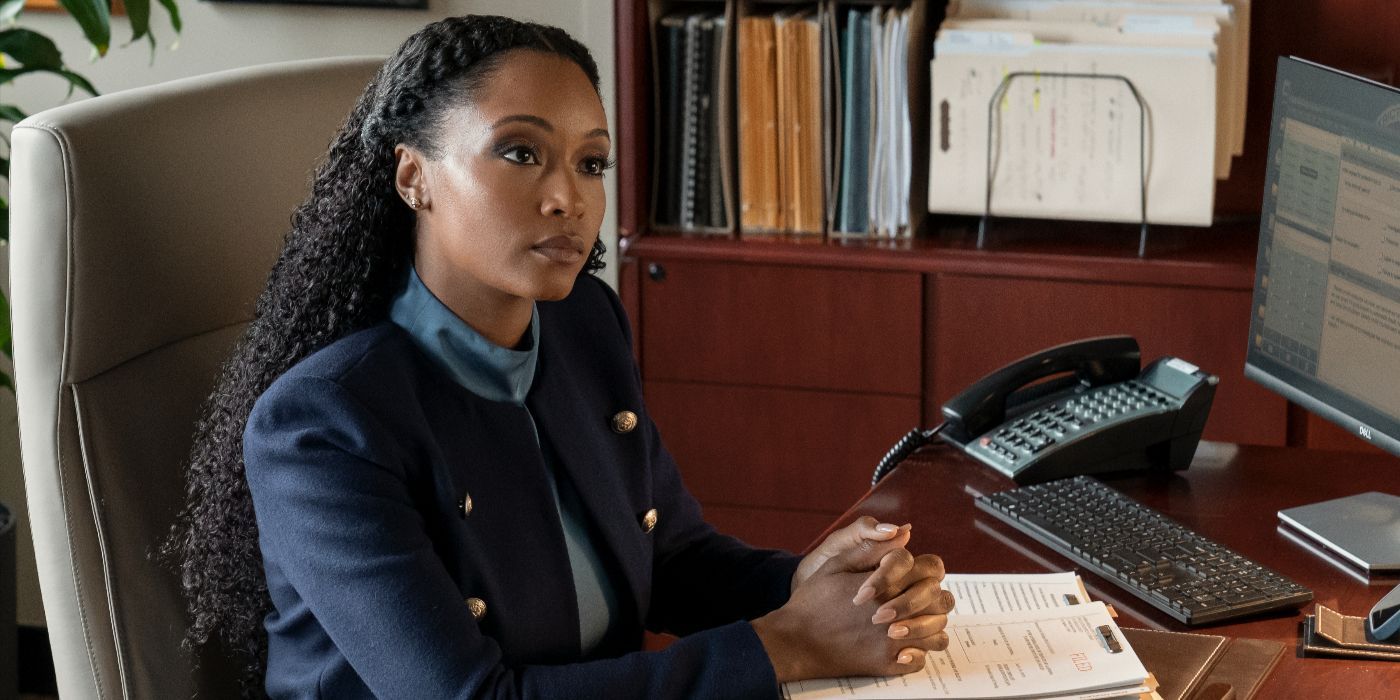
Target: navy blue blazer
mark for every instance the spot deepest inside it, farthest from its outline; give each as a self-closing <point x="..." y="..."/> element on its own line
<point x="386" y="581"/>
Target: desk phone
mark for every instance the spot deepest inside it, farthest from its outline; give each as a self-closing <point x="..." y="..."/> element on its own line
<point x="1082" y="408"/>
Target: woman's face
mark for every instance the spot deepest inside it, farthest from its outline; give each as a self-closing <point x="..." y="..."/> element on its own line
<point x="513" y="202"/>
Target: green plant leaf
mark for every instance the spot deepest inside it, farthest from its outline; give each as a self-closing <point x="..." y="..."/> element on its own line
<point x="79" y="81"/>
<point x="174" y="11"/>
<point x="4" y="220"/>
<point x="30" y="48"/>
<point x="8" y="74"/>
<point x="5" y="168"/>
<point x="139" y="12"/>
<point x="9" y="9"/>
<point x="74" y="80"/>
<point x="95" y="20"/>
<point x="11" y="113"/>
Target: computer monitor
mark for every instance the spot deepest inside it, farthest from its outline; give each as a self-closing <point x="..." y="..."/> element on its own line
<point x="1325" y="331"/>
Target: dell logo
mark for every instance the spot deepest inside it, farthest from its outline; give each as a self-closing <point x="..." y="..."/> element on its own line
<point x="1365" y="432"/>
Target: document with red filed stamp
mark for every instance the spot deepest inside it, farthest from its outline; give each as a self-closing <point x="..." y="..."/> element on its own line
<point x="1070" y="651"/>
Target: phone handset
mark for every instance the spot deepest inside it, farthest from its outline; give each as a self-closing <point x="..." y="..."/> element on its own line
<point x="1089" y="362"/>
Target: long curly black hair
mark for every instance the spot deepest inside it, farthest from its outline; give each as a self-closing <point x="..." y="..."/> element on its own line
<point x="340" y="266"/>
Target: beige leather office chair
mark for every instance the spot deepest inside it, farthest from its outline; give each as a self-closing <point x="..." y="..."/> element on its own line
<point x="143" y="226"/>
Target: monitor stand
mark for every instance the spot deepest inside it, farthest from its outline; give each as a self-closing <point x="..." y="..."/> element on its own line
<point x="1363" y="529"/>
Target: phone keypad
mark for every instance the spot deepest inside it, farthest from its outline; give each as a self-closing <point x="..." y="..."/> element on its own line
<point x="1115" y="400"/>
<point x="1065" y="419"/>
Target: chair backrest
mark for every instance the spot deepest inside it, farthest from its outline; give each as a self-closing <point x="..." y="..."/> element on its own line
<point x="143" y="226"/>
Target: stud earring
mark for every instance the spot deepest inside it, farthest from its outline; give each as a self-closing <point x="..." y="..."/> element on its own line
<point x="413" y="202"/>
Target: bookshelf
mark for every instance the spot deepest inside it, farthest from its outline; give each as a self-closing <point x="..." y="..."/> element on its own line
<point x="780" y="369"/>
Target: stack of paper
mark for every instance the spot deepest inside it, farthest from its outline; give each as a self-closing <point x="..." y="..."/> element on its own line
<point x="759" y="209"/>
<point x="1012" y="636"/>
<point x="1072" y="148"/>
<point x="875" y="156"/>
<point x="800" y="120"/>
<point x="781" y="121"/>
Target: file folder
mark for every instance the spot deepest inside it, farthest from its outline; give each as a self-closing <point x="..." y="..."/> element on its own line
<point x="1070" y="149"/>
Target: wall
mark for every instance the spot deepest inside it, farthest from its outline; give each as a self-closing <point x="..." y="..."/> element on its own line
<point x="223" y="35"/>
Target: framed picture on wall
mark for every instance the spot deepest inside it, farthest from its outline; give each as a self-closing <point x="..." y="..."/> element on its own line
<point x="402" y="4"/>
<point x="117" y="9"/>
<point x="53" y="6"/>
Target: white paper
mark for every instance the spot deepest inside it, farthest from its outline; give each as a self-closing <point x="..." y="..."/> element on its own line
<point x="879" y="135"/>
<point x="905" y="150"/>
<point x="1070" y="148"/>
<point x="1232" y="18"/>
<point x="1049" y="653"/>
<point x="977" y="594"/>
<point x="889" y="124"/>
<point x="1186" y="31"/>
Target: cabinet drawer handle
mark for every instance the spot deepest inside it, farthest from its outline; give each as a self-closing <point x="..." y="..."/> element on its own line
<point x="656" y="272"/>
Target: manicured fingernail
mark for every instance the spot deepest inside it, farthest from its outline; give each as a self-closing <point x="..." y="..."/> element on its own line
<point x="885" y="527"/>
<point x="882" y="616"/>
<point x="906" y="657"/>
<point x="897" y="631"/>
<point x="864" y="594"/>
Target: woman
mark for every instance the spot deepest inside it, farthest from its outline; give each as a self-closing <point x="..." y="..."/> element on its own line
<point x="457" y="490"/>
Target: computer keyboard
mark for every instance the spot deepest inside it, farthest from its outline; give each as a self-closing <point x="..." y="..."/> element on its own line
<point x="1179" y="572"/>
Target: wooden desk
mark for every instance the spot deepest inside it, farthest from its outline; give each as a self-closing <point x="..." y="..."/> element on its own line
<point x="1231" y="494"/>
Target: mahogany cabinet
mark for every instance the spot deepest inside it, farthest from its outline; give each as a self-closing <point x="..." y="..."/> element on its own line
<point x="777" y="387"/>
<point x="780" y="371"/>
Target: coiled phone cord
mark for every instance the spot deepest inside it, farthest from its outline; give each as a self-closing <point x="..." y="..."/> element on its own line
<point x="906" y="446"/>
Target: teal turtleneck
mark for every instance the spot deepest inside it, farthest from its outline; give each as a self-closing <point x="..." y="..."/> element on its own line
<point x="505" y="375"/>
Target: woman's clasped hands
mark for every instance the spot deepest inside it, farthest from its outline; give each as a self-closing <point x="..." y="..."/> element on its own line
<point x="861" y="605"/>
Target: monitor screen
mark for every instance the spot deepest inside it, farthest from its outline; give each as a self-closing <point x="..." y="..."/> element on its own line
<point x="1325" y="331"/>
